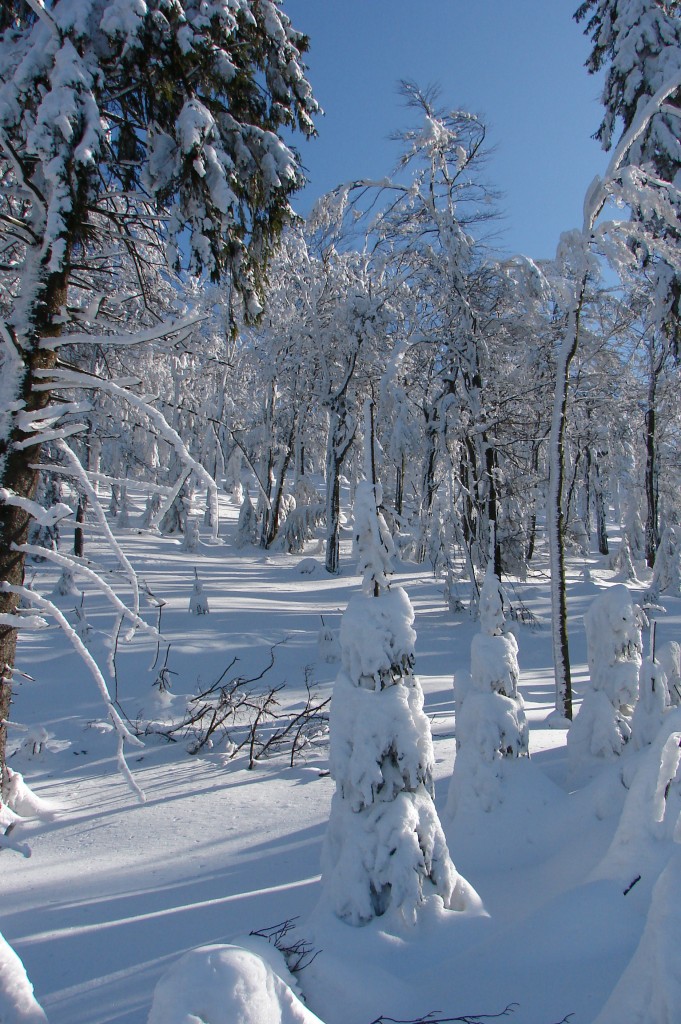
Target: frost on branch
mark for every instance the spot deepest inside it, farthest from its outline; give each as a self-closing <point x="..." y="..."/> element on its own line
<point x="491" y="728"/>
<point x="384" y="851"/>
<point x="613" y="636"/>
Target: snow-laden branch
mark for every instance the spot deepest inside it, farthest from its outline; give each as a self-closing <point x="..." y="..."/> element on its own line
<point x="73" y="563"/>
<point x="43" y="436"/>
<point x="164" y="330"/>
<point x="43" y="516"/>
<point x="64" y="378"/>
<point x="119" y="725"/>
<point x="597" y="193"/>
<point x="91" y="494"/>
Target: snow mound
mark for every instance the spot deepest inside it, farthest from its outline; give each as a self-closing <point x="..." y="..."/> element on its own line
<point x="225" y="985"/>
<point x="17" y="1002"/>
<point x="309" y="566"/>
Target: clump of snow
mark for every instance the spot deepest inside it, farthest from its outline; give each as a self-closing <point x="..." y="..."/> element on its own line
<point x="18" y="1004"/>
<point x="21" y="800"/>
<point x="226" y="984"/>
<point x="309" y="566"/>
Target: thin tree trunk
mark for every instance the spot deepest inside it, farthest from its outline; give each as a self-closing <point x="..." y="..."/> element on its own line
<point x="559" y="631"/>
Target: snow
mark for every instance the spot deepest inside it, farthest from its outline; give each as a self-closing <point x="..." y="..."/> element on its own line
<point x="116" y="893"/>
<point x="17" y="1002"/>
<point x="225" y="985"/>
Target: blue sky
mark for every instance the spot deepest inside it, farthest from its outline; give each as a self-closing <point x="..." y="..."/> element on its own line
<point x="518" y="63"/>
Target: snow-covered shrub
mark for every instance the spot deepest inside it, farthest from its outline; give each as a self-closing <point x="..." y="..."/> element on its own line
<point x="65" y="585"/>
<point x="613" y="636"/>
<point x="384" y="849"/>
<point x="228" y="984"/>
<point x="491" y="727"/>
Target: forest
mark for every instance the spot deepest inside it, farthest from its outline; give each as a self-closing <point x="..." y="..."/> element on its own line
<point x="246" y="459"/>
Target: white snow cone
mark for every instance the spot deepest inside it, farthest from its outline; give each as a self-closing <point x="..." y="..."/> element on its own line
<point x="384" y="851"/>
<point x="613" y="637"/>
<point x="491" y="728"/>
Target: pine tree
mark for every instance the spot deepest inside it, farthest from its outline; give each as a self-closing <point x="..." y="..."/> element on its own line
<point x="638" y="42"/>
<point x="385" y="851"/>
<point x="491" y="728"/>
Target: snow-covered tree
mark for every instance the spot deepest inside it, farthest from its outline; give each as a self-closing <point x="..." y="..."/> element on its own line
<point x="491" y="727"/>
<point x="638" y="43"/>
<point x="384" y="851"/>
<point x="613" y="635"/>
<point x="123" y="129"/>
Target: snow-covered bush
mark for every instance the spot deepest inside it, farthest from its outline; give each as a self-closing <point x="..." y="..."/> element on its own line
<point x="384" y="850"/>
<point x="225" y="985"/>
<point x="491" y="727"/>
<point x="613" y="635"/>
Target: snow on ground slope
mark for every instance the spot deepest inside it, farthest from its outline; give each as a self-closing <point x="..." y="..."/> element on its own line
<point x="115" y="891"/>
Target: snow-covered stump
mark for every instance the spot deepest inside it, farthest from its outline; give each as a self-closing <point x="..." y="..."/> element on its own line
<point x="491" y="728"/>
<point x="613" y="635"/>
<point x="384" y="852"/>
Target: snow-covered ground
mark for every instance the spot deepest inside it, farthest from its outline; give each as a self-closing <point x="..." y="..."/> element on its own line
<point x="116" y="891"/>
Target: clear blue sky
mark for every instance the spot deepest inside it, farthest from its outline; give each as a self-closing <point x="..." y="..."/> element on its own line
<point x="518" y="63"/>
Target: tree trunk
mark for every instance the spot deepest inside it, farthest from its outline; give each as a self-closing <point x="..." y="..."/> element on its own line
<point x="20" y="476"/>
<point x="652" y="531"/>
<point x="559" y="632"/>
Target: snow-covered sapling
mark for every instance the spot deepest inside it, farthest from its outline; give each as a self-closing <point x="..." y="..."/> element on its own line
<point x="491" y="727"/>
<point x="667" y="568"/>
<point x="384" y="850"/>
<point x="669" y="657"/>
<point x="247" y="526"/>
<point x="653" y="699"/>
<point x="81" y="625"/>
<point x="190" y="541"/>
<point x="198" y="602"/>
<point x="613" y="636"/>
